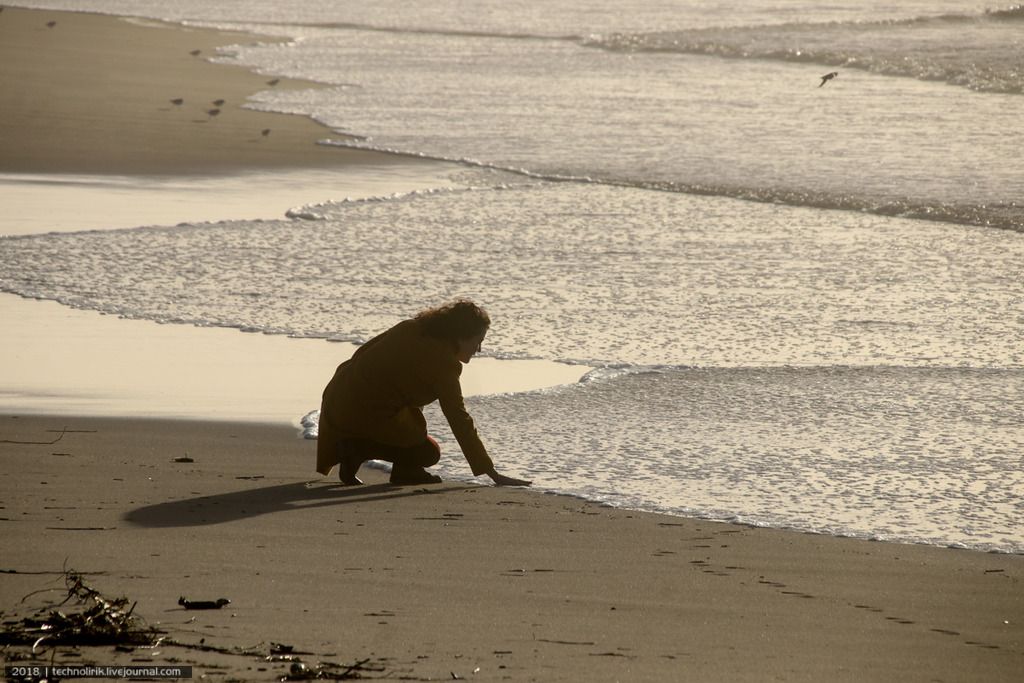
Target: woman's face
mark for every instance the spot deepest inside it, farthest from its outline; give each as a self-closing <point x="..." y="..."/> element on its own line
<point x="468" y="347"/>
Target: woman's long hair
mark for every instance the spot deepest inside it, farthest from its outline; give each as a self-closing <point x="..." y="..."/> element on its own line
<point x="460" y="319"/>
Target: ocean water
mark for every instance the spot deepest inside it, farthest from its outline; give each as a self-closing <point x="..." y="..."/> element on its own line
<point x="805" y="304"/>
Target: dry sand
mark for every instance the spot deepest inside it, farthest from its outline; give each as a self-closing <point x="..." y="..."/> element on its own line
<point x="451" y="580"/>
<point x="486" y="583"/>
<point x="93" y="94"/>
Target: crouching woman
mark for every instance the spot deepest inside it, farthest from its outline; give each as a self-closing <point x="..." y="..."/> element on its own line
<point x="373" y="406"/>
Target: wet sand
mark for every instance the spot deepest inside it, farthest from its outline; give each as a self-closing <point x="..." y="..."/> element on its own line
<point x="60" y="360"/>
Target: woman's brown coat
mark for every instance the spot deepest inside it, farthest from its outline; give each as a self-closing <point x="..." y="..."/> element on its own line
<point x="378" y="394"/>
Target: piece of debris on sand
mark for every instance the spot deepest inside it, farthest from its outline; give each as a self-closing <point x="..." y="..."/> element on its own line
<point x="83" y="617"/>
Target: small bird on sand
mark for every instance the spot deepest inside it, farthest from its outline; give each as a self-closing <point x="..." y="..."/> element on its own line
<point x="51" y="24"/>
<point x="274" y="81"/>
<point x="266" y="132"/>
<point x="195" y="53"/>
<point x="213" y="112"/>
<point x="177" y="101"/>
<point x="828" y="77"/>
<point x="218" y="102"/>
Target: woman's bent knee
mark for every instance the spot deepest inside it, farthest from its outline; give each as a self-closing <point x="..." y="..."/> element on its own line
<point x="430" y="453"/>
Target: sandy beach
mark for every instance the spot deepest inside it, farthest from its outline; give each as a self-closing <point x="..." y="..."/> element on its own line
<point x="471" y="580"/>
<point x="97" y="94"/>
<point x="459" y="580"/>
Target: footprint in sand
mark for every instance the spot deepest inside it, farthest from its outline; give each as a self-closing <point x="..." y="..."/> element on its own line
<point x="797" y="594"/>
<point x="869" y="608"/>
<point x="945" y="632"/>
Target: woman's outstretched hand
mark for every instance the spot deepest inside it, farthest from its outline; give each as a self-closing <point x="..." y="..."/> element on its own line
<point x="502" y="480"/>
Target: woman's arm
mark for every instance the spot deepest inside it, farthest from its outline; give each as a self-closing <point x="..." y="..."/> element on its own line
<point x="454" y="408"/>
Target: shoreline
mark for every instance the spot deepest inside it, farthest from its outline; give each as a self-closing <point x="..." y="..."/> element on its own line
<point x="483" y="582"/>
<point x="62" y="360"/>
<point x="125" y="202"/>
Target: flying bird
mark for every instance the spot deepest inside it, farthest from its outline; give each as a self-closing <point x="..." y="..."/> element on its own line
<point x="828" y="77"/>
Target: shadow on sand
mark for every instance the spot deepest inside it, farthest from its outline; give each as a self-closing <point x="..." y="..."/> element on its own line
<point x="228" y="507"/>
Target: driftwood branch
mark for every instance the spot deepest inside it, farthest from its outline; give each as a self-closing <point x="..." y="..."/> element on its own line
<point x="62" y="432"/>
<point x="37" y="443"/>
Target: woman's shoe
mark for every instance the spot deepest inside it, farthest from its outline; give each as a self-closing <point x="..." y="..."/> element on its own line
<point x="349" y="465"/>
<point x="412" y="475"/>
